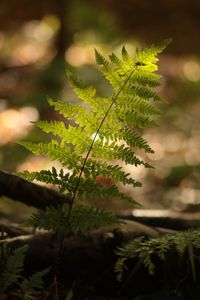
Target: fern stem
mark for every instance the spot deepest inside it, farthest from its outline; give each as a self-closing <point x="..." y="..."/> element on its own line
<point x="95" y="136"/>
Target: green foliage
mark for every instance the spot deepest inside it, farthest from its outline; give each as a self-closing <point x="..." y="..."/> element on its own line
<point x="30" y="287"/>
<point x="106" y="130"/>
<point x="13" y="268"/>
<point x="82" y="219"/>
<point x="66" y="183"/>
<point x="11" y="276"/>
<point x="147" y="249"/>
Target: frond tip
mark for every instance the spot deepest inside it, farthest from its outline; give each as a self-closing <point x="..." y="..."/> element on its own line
<point x="100" y="60"/>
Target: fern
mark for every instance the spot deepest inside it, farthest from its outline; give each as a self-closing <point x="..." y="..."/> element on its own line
<point x="12" y="269"/>
<point x="105" y="129"/>
<point x="11" y="276"/>
<point x="147" y="250"/>
<point x="83" y="219"/>
<point x="30" y="287"/>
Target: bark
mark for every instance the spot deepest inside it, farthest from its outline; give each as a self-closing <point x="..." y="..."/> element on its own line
<point x="31" y="194"/>
<point x="175" y="220"/>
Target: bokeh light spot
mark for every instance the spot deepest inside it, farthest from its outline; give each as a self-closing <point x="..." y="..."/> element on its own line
<point x="191" y="70"/>
<point x="15" y="123"/>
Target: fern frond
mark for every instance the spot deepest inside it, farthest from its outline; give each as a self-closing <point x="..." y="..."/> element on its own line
<point x="126" y="57"/>
<point x="135" y="140"/>
<point x="100" y="60"/>
<point x="69" y="111"/>
<point x="136" y="120"/>
<point x="89" y="121"/>
<point x="87" y="217"/>
<point x="87" y="95"/>
<point x="52" y="149"/>
<point x="113" y="172"/>
<point x="145" y="79"/>
<point x="65" y="182"/>
<point x="144" y="93"/>
<point x="82" y="219"/>
<point x="71" y="135"/>
<point x="55" y="151"/>
<point x="103" y="191"/>
<point x="113" y="151"/>
<point x="104" y="129"/>
<point x="146" y="108"/>
<point x="52" y="219"/>
<point x="62" y="153"/>
<point x="182" y="242"/>
<point x="32" y="286"/>
<point x="115" y="60"/>
<point x="88" y="187"/>
<point x="129" y="102"/>
<point x="148" y="56"/>
<point x="13" y="268"/>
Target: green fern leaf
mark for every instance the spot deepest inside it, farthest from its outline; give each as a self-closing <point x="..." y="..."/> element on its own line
<point x="104" y="130"/>
<point x="115" y="60"/>
<point x="100" y="60"/>
<point x="182" y="242"/>
<point x="67" y="110"/>
<point x="126" y="57"/>
<point x="83" y="218"/>
<point x="147" y="57"/>
<point x="32" y="286"/>
<point x="136" y="120"/>
<point x="86" y="217"/>
<point x="52" y="219"/>
<point x="135" y="140"/>
<point x="13" y="268"/>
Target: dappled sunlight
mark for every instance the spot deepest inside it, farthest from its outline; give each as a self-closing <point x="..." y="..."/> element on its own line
<point x="42" y="30"/>
<point x="82" y="53"/>
<point x="172" y="149"/>
<point x="173" y="142"/>
<point x="180" y="198"/>
<point x="33" y="164"/>
<point x="79" y="55"/>
<point x="161" y="171"/>
<point x="192" y="150"/>
<point x="32" y="42"/>
<point x="27" y="54"/>
<point x="138" y="172"/>
<point x="16" y="123"/>
<point x="191" y="70"/>
<point x="156" y="145"/>
<point x="37" y="163"/>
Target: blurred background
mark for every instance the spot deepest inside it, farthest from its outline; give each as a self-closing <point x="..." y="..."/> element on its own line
<point x="39" y="40"/>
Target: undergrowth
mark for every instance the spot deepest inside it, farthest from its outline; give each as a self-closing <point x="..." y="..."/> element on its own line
<point x="12" y="279"/>
<point x="147" y="250"/>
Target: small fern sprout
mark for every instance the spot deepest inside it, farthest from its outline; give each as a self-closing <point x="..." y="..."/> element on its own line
<point x="106" y="130"/>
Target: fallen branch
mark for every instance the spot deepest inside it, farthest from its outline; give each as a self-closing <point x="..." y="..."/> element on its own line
<point x="29" y="193"/>
<point x="169" y="219"/>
